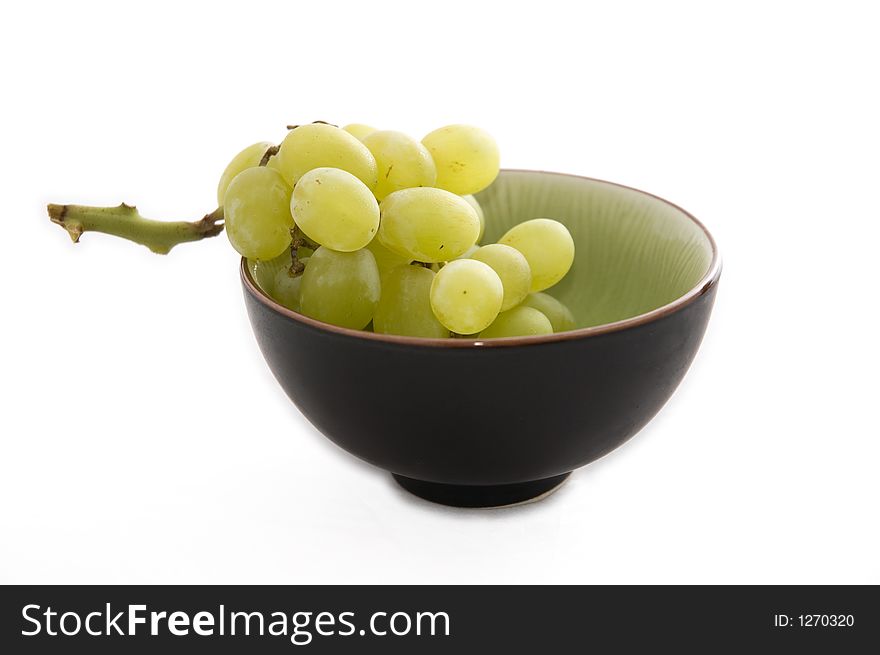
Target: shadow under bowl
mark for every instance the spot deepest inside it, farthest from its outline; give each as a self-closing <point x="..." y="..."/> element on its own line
<point x="477" y="423"/>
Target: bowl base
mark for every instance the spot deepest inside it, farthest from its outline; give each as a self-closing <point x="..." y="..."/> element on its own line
<point x="486" y="496"/>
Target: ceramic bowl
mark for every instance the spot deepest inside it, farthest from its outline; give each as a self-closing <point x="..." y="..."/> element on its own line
<point x="488" y="423"/>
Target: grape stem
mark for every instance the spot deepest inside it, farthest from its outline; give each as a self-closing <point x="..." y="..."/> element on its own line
<point x="298" y="240"/>
<point x="125" y="221"/>
<point x="270" y="152"/>
<point x="293" y="127"/>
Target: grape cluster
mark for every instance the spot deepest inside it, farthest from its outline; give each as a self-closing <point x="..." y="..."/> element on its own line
<point x="372" y="229"/>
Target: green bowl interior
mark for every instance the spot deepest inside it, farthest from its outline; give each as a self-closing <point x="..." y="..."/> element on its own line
<point x="633" y="252"/>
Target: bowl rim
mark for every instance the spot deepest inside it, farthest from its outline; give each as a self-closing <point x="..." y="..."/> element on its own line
<point x="703" y="286"/>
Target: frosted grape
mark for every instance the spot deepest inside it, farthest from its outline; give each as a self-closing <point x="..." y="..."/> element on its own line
<point x="405" y="305"/>
<point x="547" y="246"/>
<point x="428" y="225"/>
<point x="466" y="296"/>
<point x="341" y="288"/>
<point x="559" y="315"/>
<point x="518" y="322"/>
<point x="318" y="145"/>
<point x="466" y="158"/>
<point x="335" y="209"/>
<point x="256" y="211"/>
<point x="402" y="162"/>
<point x="247" y="158"/>
<point x="512" y="268"/>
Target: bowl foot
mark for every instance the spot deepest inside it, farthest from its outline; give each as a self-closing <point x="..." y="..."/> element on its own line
<point x="500" y="495"/>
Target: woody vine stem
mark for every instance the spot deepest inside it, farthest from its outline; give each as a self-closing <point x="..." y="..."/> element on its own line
<point x="126" y="222"/>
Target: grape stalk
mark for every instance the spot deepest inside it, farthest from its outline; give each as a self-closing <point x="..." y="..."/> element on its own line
<point x="125" y="221"/>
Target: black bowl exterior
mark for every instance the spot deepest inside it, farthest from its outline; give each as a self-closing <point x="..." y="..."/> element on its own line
<point x="481" y="415"/>
<point x="482" y="495"/>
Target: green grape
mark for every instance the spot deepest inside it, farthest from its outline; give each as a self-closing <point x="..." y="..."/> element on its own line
<point x="428" y="225"/>
<point x="518" y="322"/>
<point x="386" y="259"/>
<point x="335" y="209"/>
<point x="359" y="130"/>
<point x="559" y="315"/>
<point x="405" y="305"/>
<point x="512" y="268"/>
<point x="286" y="287"/>
<point x="402" y="162"/>
<point x="476" y="205"/>
<point x="256" y="213"/>
<point x="466" y="157"/>
<point x="466" y="296"/>
<point x="318" y="145"/>
<point x="247" y="158"/>
<point x="547" y="246"/>
<point x="341" y="288"/>
<point x="273" y="163"/>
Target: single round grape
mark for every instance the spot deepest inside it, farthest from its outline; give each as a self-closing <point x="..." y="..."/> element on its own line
<point x="335" y="209"/>
<point x="466" y="296"/>
<point x="359" y="130"/>
<point x="512" y="268"/>
<point x="256" y="212"/>
<point x="428" y="225"/>
<point x="286" y="287"/>
<point x="341" y="288"/>
<point x="405" y="305"/>
<point x="386" y="259"/>
<point x="402" y="162"/>
<point x="518" y="322"/>
<point x="472" y="201"/>
<point x="466" y="157"/>
<point x="318" y="145"/>
<point x="559" y="315"/>
<point x="247" y="158"/>
<point x="548" y="247"/>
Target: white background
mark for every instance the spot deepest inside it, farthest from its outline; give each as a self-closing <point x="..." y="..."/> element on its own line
<point x="145" y="440"/>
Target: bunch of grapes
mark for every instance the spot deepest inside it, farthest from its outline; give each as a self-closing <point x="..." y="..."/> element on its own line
<point x="372" y="229"/>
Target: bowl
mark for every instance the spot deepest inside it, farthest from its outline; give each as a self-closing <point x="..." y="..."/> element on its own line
<point x="489" y="423"/>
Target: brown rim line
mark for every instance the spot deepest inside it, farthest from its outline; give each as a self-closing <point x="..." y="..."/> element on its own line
<point x="709" y="279"/>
